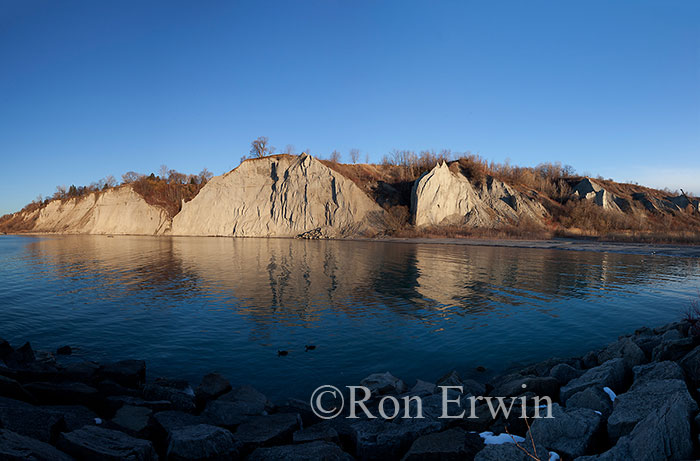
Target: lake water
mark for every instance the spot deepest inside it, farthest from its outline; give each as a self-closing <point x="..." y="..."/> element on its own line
<point x="190" y="306"/>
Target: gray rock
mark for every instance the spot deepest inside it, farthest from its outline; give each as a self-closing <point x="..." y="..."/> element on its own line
<point x="321" y="431"/>
<point x="75" y="416"/>
<point x="672" y="350"/>
<point x="201" y="442"/>
<point x="13" y="390"/>
<point x="181" y="399"/>
<point x="95" y="443"/>
<point x="546" y="386"/>
<point x="84" y="372"/>
<point x="451" y="445"/>
<point x="378" y="439"/>
<point x="128" y="373"/>
<point x="167" y="421"/>
<point x="472" y="387"/>
<point x="511" y="452"/>
<point x="35" y="422"/>
<point x="118" y="401"/>
<point x="625" y="349"/>
<point x="312" y="451"/>
<point x="16" y="447"/>
<point x="248" y="395"/>
<point x="134" y="420"/>
<point x="450" y="379"/>
<point x="20" y="357"/>
<point x="590" y="360"/>
<point x="267" y="430"/>
<point x="593" y="398"/>
<point x="564" y="373"/>
<point x="64" y="393"/>
<point x="212" y="386"/>
<point x="637" y="403"/>
<point x="383" y="383"/>
<point x="691" y="365"/>
<point x="423" y="388"/>
<point x="664" y="434"/>
<point x="657" y="370"/>
<point x="230" y="414"/>
<point x="571" y="431"/>
<point x="610" y="374"/>
<point x="647" y="344"/>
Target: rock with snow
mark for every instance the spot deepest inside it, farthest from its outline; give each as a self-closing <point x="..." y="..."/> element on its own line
<point x="572" y="431"/>
<point x="610" y="374"/>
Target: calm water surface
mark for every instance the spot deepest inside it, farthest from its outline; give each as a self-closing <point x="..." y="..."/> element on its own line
<point x="190" y="306"/>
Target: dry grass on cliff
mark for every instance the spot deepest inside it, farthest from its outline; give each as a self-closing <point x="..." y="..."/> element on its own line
<point x="164" y="194"/>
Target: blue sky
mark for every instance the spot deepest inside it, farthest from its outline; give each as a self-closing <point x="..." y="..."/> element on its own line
<point x="89" y="89"/>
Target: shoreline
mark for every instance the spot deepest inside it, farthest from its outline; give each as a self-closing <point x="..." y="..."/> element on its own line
<point x="636" y="395"/>
<point x="565" y="244"/>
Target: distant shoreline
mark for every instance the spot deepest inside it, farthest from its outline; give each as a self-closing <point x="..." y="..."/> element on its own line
<point x="567" y="244"/>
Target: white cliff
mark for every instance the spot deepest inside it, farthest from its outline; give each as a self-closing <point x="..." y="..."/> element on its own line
<point x="279" y="196"/>
<point x="441" y="197"/>
<point x="114" y="211"/>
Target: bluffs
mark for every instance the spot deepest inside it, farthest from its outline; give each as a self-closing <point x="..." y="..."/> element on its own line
<point x="300" y="196"/>
<point x="442" y="197"/>
<point x="114" y="211"/>
<point x="281" y="196"/>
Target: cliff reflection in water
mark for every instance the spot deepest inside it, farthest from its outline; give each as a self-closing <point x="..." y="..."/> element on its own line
<point x="416" y="309"/>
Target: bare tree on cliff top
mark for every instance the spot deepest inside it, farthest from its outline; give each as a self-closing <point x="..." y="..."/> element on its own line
<point x="204" y="176"/>
<point x="355" y="155"/>
<point x="260" y="147"/>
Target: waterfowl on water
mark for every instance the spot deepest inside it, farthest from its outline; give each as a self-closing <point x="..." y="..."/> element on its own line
<point x="310" y="347"/>
<point x="282" y="353"/>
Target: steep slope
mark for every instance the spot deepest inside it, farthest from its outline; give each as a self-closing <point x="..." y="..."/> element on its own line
<point x="442" y="197"/>
<point x="280" y="196"/>
<point x="587" y="189"/>
<point x="115" y="211"/>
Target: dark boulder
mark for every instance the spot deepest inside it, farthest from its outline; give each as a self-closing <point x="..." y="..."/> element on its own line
<point x="691" y="365"/>
<point x="383" y="383"/>
<point x="260" y="431"/>
<point x="182" y="399"/>
<point x="35" y="422"/>
<point x="127" y="373"/>
<point x="64" y="350"/>
<point x="321" y="431"/>
<point x="540" y="386"/>
<point x="625" y="349"/>
<point x="571" y="431"/>
<point x="65" y="393"/>
<point x="83" y="372"/>
<point x="16" y="447"/>
<point x="306" y="451"/>
<point x="212" y="386"/>
<point x="511" y="452"/>
<point x="95" y="443"/>
<point x="593" y="398"/>
<point x="610" y="374"/>
<point x="379" y="439"/>
<point x="134" y="420"/>
<point x="564" y="373"/>
<point x="451" y="445"/>
<point x="672" y="350"/>
<point x="14" y="390"/>
<point x="642" y="399"/>
<point x="201" y="442"/>
<point x="75" y="416"/>
<point x="450" y="379"/>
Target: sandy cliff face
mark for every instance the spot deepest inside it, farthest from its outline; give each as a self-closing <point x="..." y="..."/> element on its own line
<point x="115" y="211"/>
<point x="442" y="197"/>
<point x="280" y="196"/>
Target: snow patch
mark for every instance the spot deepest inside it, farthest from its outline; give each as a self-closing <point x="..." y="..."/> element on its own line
<point x="491" y="439"/>
<point x="553" y="456"/>
<point x="98" y="421"/>
<point x="610" y="393"/>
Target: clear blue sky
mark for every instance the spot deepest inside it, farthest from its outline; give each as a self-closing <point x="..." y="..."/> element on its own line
<point x="93" y="88"/>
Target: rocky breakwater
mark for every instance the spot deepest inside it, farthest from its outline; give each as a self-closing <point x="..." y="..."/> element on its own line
<point x="279" y="196"/>
<point x="442" y="197"/>
<point x="634" y="399"/>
